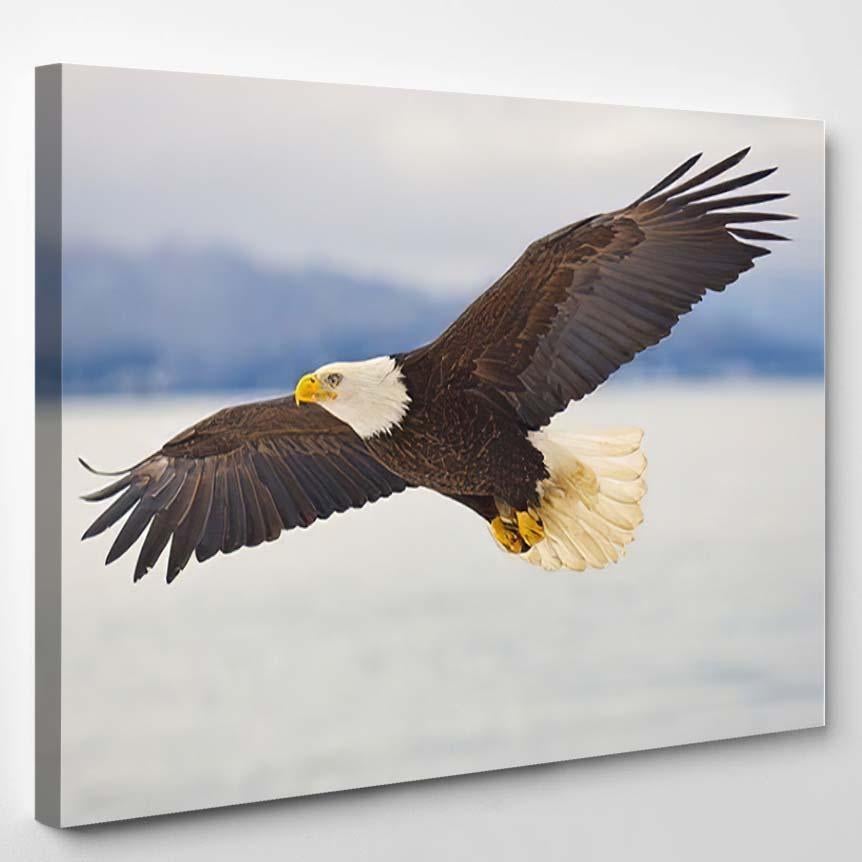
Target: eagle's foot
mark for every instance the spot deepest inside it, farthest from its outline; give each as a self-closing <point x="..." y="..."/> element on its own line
<point x="530" y="528"/>
<point x="507" y="536"/>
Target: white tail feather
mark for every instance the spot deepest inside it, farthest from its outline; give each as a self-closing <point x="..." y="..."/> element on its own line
<point x="590" y="504"/>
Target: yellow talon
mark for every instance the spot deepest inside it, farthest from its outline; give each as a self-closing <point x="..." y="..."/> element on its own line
<point x="506" y="537"/>
<point x="531" y="530"/>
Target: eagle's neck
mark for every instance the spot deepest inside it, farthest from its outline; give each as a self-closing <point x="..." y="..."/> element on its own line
<point x="372" y="397"/>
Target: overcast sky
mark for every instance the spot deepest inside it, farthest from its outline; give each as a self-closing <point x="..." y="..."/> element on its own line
<point x="436" y="191"/>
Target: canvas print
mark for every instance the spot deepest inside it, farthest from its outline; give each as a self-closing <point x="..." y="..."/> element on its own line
<point x="421" y="434"/>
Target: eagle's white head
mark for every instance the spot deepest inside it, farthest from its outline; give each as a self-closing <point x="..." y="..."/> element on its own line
<point x="370" y="396"/>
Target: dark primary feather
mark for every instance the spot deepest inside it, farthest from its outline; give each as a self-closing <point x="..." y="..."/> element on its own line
<point x="238" y="478"/>
<point x="584" y="300"/>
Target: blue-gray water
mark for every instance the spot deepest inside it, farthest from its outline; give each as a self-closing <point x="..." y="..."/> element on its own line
<point x="396" y="642"/>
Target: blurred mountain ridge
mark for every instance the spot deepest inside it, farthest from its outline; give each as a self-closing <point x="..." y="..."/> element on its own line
<point x="181" y="319"/>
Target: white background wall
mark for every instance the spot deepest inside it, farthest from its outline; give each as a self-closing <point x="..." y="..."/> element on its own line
<point x="789" y="797"/>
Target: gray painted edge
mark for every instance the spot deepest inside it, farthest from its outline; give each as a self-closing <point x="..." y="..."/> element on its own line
<point x="48" y="616"/>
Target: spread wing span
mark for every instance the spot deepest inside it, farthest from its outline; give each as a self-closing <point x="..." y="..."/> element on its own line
<point x="238" y="478"/>
<point x="584" y="300"/>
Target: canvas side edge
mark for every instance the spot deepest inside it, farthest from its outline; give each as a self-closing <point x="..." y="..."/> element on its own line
<point x="48" y="400"/>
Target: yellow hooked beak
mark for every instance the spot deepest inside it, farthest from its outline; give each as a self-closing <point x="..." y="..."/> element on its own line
<point x="310" y="389"/>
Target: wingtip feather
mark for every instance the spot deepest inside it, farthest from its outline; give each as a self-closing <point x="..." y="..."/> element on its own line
<point x="90" y="531"/>
<point x="96" y="472"/>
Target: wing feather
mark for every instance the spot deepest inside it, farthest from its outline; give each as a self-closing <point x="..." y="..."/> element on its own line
<point x="190" y="528"/>
<point x="584" y="300"/>
<point x="255" y="526"/>
<point x="115" y="511"/>
<point x="237" y="479"/>
<point x="212" y="538"/>
<point x="235" y="536"/>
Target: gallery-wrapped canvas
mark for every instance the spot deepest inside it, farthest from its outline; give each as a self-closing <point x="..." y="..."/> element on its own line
<point x="421" y="434"/>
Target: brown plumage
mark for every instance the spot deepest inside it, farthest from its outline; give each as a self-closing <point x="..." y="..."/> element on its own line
<point x="577" y="305"/>
<point x="239" y="478"/>
<point x="582" y="301"/>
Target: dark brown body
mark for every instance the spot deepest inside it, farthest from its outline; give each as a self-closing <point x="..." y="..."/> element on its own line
<point x="455" y="441"/>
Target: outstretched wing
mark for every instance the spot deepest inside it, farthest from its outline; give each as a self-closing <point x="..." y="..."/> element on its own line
<point x="238" y="478"/>
<point x="584" y="300"/>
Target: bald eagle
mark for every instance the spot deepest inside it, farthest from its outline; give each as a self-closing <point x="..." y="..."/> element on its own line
<point x="466" y="414"/>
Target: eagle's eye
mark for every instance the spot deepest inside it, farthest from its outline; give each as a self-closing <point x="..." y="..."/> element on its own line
<point x="333" y="379"/>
